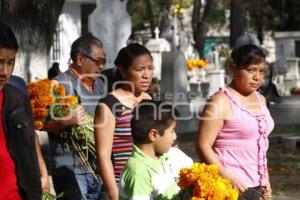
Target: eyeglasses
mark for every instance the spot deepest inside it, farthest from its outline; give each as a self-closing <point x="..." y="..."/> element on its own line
<point x="98" y="62"/>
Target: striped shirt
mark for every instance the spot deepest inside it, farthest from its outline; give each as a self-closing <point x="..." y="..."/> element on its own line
<point x="122" y="140"/>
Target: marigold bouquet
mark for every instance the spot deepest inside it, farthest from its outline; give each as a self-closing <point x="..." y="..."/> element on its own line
<point x="203" y="182"/>
<point x="196" y="63"/>
<point x="49" y="101"/>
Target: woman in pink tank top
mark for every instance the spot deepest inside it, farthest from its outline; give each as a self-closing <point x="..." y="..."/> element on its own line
<point x="235" y="125"/>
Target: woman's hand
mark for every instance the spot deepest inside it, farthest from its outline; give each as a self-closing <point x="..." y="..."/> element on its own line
<point x="237" y="184"/>
<point x="266" y="192"/>
<point x="45" y="184"/>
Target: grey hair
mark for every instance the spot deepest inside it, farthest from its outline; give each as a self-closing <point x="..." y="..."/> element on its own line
<point x="84" y="45"/>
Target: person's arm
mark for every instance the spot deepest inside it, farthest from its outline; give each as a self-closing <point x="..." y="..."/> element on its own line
<point x="212" y="120"/>
<point x="42" y="166"/>
<point x="76" y="117"/>
<point x="104" y="133"/>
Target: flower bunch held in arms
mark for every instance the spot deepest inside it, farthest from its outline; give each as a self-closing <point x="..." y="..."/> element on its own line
<point x="203" y="182"/>
<point x="196" y="63"/>
<point x="49" y="102"/>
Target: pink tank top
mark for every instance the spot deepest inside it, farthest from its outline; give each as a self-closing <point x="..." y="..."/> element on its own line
<point x="242" y="143"/>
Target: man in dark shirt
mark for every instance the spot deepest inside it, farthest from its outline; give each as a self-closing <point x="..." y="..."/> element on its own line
<point x="19" y="171"/>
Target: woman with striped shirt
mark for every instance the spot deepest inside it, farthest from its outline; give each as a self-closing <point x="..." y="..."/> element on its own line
<point x="114" y="112"/>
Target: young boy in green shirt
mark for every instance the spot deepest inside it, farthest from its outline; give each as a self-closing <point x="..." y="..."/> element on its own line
<point x="148" y="173"/>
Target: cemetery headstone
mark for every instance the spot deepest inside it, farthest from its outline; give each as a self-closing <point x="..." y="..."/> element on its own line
<point x="173" y="85"/>
<point x="111" y="23"/>
<point x="156" y="46"/>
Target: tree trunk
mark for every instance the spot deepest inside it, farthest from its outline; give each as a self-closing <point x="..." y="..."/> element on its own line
<point x="150" y="17"/>
<point x="199" y="24"/>
<point x="33" y="22"/>
<point x="237" y="22"/>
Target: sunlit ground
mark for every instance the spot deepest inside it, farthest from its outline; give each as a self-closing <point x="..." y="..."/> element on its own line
<point x="284" y="165"/>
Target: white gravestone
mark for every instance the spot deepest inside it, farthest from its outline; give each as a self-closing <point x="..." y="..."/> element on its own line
<point x="216" y="79"/>
<point x="111" y="23"/>
<point x="292" y="77"/>
<point x="156" y="46"/>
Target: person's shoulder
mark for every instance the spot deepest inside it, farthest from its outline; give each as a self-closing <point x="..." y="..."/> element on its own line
<point x="12" y="90"/>
<point x="61" y="77"/>
<point x="146" y="96"/>
<point x="134" y="164"/>
<point x="218" y="97"/>
<point x="135" y="170"/>
<point x="19" y="83"/>
<point x="110" y="100"/>
<point x="262" y="98"/>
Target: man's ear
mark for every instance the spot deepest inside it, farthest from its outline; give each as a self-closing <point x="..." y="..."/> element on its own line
<point x="79" y="59"/>
<point x="153" y="135"/>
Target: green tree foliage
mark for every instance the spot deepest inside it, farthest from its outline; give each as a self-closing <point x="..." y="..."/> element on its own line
<point x="148" y="13"/>
<point x="217" y="17"/>
<point x="282" y="15"/>
<point x="274" y="15"/>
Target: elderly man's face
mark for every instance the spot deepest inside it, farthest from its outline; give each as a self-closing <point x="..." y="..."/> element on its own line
<point x="92" y="65"/>
<point x="7" y="62"/>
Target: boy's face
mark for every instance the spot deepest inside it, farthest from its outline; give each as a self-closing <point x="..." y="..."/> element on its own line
<point x="7" y="62"/>
<point x="163" y="143"/>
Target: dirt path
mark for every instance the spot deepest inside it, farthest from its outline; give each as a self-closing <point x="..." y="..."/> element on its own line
<point x="284" y="167"/>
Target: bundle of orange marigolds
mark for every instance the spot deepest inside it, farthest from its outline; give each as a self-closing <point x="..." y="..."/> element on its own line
<point x="203" y="182"/>
<point x="49" y="101"/>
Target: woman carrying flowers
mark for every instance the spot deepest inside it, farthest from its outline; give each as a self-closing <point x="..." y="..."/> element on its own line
<point x="235" y="125"/>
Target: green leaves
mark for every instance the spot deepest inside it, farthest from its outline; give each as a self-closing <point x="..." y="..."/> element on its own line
<point x="48" y="196"/>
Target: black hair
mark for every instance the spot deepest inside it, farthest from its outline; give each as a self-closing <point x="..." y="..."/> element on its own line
<point x="246" y="55"/>
<point x="84" y="45"/>
<point x="8" y="39"/>
<point x="126" y="56"/>
<point x="53" y="71"/>
<point x="149" y="115"/>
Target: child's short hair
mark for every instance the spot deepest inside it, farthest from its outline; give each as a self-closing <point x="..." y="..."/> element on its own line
<point x="149" y="115"/>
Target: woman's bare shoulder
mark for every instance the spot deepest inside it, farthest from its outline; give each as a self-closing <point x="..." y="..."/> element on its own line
<point x="146" y="96"/>
<point x="218" y="97"/>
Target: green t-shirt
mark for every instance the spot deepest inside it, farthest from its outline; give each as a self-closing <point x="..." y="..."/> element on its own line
<point x="145" y="178"/>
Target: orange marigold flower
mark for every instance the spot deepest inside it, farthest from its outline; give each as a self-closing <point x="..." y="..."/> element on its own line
<point x="198" y="63"/>
<point x="38" y="125"/>
<point x="46" y="96"/>
<point x="206" y="183"/>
